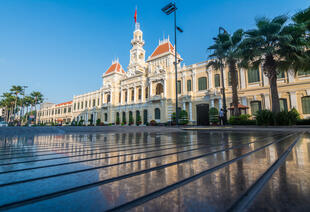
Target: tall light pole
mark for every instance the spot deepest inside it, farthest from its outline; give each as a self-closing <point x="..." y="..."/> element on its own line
<point x="222" y="30"/>
<point x="168" y="9"/>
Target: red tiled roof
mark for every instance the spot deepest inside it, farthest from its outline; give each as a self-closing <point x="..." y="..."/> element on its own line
<point x="240" y="106"/>
<point x="163" y="48"/>
<point x="115" y="67"/>
<point x="64" y="103"/>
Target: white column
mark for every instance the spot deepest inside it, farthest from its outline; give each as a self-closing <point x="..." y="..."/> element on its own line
<point x="165" y="89"/>
<point x="190" y="112"/>
<point x="150" y="89"/>
<point x="212" y="102"/>
<point x="142" y="93"/>
<point x="267" y="101"/>
<point x="293" y="100"/>
<point x="183" y="85"/>
<point x="210" y="79"/>
<point x="291" y="76"/>
<point x="122" y="97"/>
<point x="220" y="103"/>
<point x="194" y="82"/>
<point x="128" y="94"/>
<point x="184" y="106"/>
<point x="242" y="80"/>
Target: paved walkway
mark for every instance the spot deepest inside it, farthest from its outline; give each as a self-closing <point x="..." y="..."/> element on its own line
<point x="188" y="171"/>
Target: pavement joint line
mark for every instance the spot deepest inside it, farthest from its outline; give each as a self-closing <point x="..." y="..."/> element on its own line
<point x="32" y="146"/>
<point x="93" y="159"/>
<point x="100" y="147"/>
<point x="46" y="159"/>
<point x="53" y="149"/>
<point x="247" y="198"/>
<point x="14" y="147"/>
<point x="141" y="200"/>
<point x="116" y="148"/>
<point x="98" y="183"/>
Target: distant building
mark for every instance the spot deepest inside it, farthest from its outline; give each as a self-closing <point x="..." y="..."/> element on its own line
<point x="147" y="90"/>
<point x="2" y="114"/>
<point x="55" y="113"/>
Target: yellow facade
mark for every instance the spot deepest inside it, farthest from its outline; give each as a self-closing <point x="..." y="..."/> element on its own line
<point x="148" y="88"/>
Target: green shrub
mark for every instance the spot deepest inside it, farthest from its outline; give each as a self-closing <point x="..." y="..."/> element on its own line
<point x="287" y="118"/>
<point x="264" y="117"/>
<point x="243" y="119"/>
<point x="81" y="122"/>
<point x="182" y="118"/>
<point x="98" y="121"/>
<point x="214" y="115"/>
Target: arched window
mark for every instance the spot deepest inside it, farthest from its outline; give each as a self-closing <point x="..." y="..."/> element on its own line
<point x="108" y="98"/>
<point x="217" y="81"/>
<point x="125" y="96"/>
<point x="132" y="94"/>
<point x="159" y="89"/>
<point x="305" y="101"/>
<point x="139" y="93"/>
<point x="146" y="92"/>
<point x="157" y="113"/>
<point x="255" y="107"/>
<point x="120" y="97"/>
<point x="124" y="117"/>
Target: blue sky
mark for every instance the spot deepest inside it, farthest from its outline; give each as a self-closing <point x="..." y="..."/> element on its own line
<point x="62" y="47"/>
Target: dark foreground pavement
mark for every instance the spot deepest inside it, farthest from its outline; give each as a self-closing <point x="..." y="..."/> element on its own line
<point x="164" y="170"/>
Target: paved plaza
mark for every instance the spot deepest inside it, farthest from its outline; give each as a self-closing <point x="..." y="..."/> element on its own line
<point x="155" y="170"/>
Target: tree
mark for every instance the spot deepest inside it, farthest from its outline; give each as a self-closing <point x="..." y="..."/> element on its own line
<point x="226" y="51"/>
<point x="16" y="90"/>
<point x="37" y="98"/>
<point x="277" y="47"/>
<point x="8" y="101"/>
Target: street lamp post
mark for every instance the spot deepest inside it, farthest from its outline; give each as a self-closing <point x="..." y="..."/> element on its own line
<point x="223" y="83"/>
<point x="168" y="9"/>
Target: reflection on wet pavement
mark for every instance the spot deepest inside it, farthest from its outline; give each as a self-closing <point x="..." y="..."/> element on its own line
<point x="192" y="171"/>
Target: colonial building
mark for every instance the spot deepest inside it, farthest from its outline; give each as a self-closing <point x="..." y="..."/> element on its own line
<point x="147" y="90"/>
<point x="55" y="113"/>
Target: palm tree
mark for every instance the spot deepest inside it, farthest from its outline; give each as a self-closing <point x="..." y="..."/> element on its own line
<point x="37" y="99"/>
<point x="16" y="90"/>
<point x="226" y="51"/>
<point x="277" y="47"/>
<point x="8" y="102"/>
<point x="28" y="100"/>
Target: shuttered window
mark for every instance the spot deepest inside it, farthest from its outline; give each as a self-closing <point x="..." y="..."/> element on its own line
<point x="255" y="107"/>
<point x="157" y="113"/>
<point x="179" y="86"/>
<point x="189" y="85"/>
<point x="229" y="79"/>
<point x="305" y="104"/>
<point x="217" y="82"/>
<point x="283" y="104"/>
<point x="202" y="83"/>
<point x="253" y="75"/>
